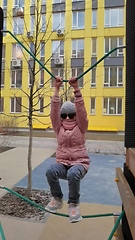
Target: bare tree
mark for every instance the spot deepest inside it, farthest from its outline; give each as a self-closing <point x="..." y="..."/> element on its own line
<point x="36" y="90"/>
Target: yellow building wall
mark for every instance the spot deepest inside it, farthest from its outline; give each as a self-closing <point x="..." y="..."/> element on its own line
<point x="97" y="121"/>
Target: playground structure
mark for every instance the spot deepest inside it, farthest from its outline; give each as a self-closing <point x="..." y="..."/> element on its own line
<point x="125" y="180"/>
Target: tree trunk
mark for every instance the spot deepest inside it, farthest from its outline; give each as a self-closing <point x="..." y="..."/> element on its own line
<point x="29" y="186"/>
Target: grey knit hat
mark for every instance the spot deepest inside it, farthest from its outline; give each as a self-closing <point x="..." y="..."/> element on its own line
<point x="67" y="108"/>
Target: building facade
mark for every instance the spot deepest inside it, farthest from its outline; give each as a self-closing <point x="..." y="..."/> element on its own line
<point x="69" y="37"/>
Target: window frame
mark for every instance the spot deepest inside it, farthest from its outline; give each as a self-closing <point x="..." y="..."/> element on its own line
<point x="94" y="54"/>
<point x="109" y="14"/>
<point x="18" y="3"/>
<point x="92" y="112"/>
<point x="76" y="55"/>
<point x="93" y="72"/>
<point x="4" y="6"/>
<point x="16" y="26"/>
<point x="59" y="47"/>
<point x="43" y="22"/>
<point x="14" y="83"/>
<point x="41" y="105"/>
<point x="119" y="52"/>
<point x="1" y="104"/>
<point x="57" y="72"/>
<point x="42" y="77"/>
<point x="76" y="26"/>
<point x="42" y="49"/>
<point x="76" y="71"/>
<point x="15" y="102"/>
<point x="58" y="1"/>
<point x="61" y="21"/>
<point x="94" y="18"/>
<point x="106" y="111"/>
<point x="16" y="51"/>
<point x="118" y="83"/>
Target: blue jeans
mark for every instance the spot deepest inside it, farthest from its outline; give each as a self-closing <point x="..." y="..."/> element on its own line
<point x="73" y="174"/>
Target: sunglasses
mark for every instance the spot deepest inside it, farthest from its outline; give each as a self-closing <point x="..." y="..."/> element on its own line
<point x="70" y="115"/>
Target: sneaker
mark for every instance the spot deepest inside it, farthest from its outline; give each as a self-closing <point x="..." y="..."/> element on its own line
<point x="74" y="213"/>
<point x="54" y="204"/>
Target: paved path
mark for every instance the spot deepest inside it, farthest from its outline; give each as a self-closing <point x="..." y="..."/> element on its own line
<point x="13" y="169"/>
<point x="93" y="146"/>
<point x="98" y="186"/>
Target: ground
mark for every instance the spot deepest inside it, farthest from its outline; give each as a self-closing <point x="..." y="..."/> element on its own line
<point x="16" y="207"/>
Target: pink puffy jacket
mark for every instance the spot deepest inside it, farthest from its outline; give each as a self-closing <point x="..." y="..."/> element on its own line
<point x="70" y="133"/>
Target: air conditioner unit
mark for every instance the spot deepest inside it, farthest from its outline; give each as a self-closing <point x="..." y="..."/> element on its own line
<point x="30" y="34"/>
<point x="60" y="32"/>
<point x="16" y="63"/>
<point x="19" y="11"/>
<point x="58" y="61"/>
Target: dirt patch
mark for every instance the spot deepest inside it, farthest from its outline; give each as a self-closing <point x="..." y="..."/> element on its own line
<point x="16" y="207"/>
<point x="3" y="149"/>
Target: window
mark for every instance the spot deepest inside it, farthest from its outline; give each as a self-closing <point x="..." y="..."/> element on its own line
<point x="78" y="48"/>
<point x="114" y="42"/>
<point x="3" y="65"/>
<point x="58" y="49"/>
<point x="2" y="78"/>
<point x="4" y="25"/>
<point x="113" y="77"/>
<point x="58" y="21"/>
<point x="18" y="25"/>
<point x="3" y="51"/>
<point x="19" y="3"/>
<point x="93" y="77"/>
<point x="41" y="105"/>
<point x="112" y="106"/>
<point x="94" y="47"/>
<point x="16" y="51"/>
<point x="4" y="4"/>
<point x="114" y="17"/>
<point x="41" y="77"/>
<point x="2" y="105"/>
<point x="94" y="18"/>
<point x="58" y="1"/>
<point x="16" y="79"/>
<point x="30" y="77"/>
<point x="57" y="72"/>
<point x="15" y="104"/>
<point x="76" y="72"/>
<point x="43" y="23"/>
<point x="42" y="49"/>
<point x="32" y="23"/>
<point x="32" y="2"/>
<point x="43" y="2"/>
<point x="92" y="105"/>
<point x="78" y="20"/>
<point x="32" y="49"/>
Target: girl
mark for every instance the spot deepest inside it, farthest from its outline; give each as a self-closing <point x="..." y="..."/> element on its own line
<point x="72" y="162"/>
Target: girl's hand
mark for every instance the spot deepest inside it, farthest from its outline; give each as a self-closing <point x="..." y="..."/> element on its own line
<point x="57" y="82"/>
<point x="74" y="83"/>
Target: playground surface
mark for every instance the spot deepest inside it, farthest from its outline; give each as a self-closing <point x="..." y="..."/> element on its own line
<point x="96" y="196"/>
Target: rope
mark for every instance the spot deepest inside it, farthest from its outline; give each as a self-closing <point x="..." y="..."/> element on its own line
<point x="95" y="64"/>
<point x="2" y="233"/>
<point x="116" y="225"/>
<point x="43" y="209"/>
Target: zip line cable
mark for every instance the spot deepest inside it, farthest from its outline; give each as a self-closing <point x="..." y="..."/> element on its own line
<point x="42" y="65"/>
<point x="65" y="215"/>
